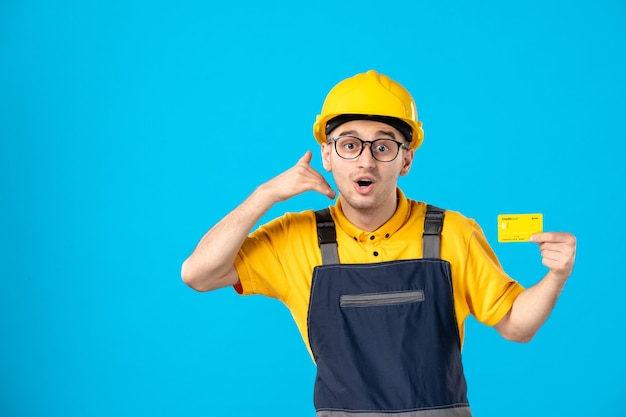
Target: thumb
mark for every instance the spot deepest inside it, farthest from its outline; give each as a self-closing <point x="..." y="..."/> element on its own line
<point x="306" y="158"/>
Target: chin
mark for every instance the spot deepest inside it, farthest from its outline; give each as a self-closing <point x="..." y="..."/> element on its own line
<point x="362" y="202"/>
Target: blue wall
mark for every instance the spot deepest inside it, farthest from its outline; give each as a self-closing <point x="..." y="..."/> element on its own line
<point x="127" y="128"/>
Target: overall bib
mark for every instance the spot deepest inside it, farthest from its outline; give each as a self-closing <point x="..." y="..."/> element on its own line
<point x="384" y="335"/>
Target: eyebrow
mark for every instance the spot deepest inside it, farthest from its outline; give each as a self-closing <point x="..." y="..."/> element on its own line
<point x="378" y="133"/>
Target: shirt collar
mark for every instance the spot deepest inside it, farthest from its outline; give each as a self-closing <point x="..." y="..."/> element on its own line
<point x="385" y="231"/>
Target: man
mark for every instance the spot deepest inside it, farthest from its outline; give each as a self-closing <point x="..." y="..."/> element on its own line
<point x="379" y="285"/>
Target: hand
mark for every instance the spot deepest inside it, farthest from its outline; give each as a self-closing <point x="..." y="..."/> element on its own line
<point x="558" y="251"/>
<point x="297" y="180"/>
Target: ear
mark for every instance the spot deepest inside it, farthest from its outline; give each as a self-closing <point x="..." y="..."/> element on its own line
<point x="407" y="161"/>
<point x="326" y="148"/>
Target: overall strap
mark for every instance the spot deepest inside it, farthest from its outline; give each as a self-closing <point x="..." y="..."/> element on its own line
<point x="433" y="223"/>
<point x="327" y="237"/>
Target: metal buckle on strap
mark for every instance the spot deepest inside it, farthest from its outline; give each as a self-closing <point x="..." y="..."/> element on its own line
<point x="433" y="224"/>
<point x="327" y="237"/>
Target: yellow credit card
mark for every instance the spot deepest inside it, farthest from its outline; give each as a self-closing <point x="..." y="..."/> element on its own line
<point x="519" y="227"/>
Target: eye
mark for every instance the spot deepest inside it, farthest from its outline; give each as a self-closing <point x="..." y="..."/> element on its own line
<point x="349" y="143"/>
<point x="382" y="146"/>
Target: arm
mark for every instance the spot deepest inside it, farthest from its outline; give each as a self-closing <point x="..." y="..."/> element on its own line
<point x="210" y="266"/>
<point x="533" y="306"/>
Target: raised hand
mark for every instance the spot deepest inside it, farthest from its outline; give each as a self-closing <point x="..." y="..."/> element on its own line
<point x="210" y="266"/>
<point x="297" y="180"/>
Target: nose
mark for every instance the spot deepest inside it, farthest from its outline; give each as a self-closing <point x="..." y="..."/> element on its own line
<point x="366" y="159"/>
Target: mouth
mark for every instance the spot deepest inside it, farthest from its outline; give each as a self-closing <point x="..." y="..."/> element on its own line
<point x="363" y="185"/>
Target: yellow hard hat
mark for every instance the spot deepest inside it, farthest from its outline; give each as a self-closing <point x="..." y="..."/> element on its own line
<point x="370" y="96"/>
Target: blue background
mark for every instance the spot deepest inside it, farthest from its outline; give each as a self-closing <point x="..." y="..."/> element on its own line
<point x="128" y="128"/>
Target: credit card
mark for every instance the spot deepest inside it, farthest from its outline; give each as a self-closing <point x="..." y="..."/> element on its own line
<point x="519" y="227"/>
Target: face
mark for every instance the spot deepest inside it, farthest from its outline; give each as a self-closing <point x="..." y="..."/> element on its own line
<point x="367" y="186"/>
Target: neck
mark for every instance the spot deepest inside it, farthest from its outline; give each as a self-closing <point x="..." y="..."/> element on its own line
<point x="370" y="218"/>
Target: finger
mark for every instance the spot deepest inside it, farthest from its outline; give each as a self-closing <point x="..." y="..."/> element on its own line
<point x="330" y="193"/>
<point x="558" y="260"/>
<point x="327" y="191"/>
<point x="555" y="255"/>
<point x="322" y="186"/>
<point x="306" y="158"/>
<point x="558" y="264"/>
<point x="564" y="248"/>
<point x="553" y="237"/>
<point x="309" y="178"/>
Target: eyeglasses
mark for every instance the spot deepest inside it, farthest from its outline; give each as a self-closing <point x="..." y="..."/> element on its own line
<point x="351" y="147"/>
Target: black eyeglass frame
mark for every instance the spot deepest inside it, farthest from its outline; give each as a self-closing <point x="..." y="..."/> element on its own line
<point x="371" y="143"/>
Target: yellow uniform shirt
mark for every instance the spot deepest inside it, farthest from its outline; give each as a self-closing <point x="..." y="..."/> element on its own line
<point x="277" y="260"/>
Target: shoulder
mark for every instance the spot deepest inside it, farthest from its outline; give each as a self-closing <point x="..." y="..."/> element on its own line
<point x="461" y="232"/>
<point x="463" y="238"/>
<point x="288" y="225"/>
<point x="458" y="222"/>
<point x="454" y="221"/>
<point x="295" y="219"/>
<point x="458" y="230"/>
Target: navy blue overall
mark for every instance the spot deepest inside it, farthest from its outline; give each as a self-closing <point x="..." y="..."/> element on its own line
<point x="384" y="335"/>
